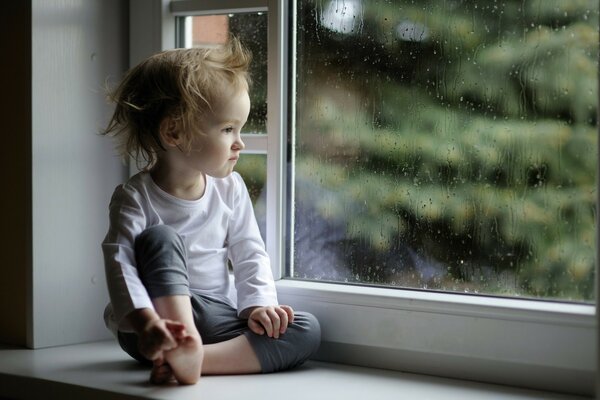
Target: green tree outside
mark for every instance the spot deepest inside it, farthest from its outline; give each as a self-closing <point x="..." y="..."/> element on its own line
<point x="465" y="130"/>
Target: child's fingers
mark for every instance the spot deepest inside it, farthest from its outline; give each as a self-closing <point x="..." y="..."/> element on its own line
<point x="256" y="327"/>
<point x="161" y="374"/>
<point x="174" y="325"/>
<point x="283" y="318"/>
<point x="151" y="354"/>
<point x="289" y="311"/>
<point x="263" y="318"/>
<point x="275" y="322"/>
<point x="158" y="338"/>
<point x="177" y="329"/>
<point x="168" y="341"/>
<point x="152" y="351"/>
<point x="161" y="339"/>
<point x="159" y="360"/>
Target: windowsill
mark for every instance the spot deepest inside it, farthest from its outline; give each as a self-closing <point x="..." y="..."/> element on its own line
<point x="505" y="341"/>
<point x="397" y="298"/>
<point x="100" y="370"/>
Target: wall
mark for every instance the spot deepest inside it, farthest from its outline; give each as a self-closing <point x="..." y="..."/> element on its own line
<point x="15" y="169"/>
<point x="77" y="45"/>
<point x="56" y="279"/>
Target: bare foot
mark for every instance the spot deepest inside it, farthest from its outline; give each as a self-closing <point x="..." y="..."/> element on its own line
<point x="185" y="360"/>
<point x="162" y="374"/>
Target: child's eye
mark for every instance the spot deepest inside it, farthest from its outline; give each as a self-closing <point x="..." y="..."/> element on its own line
<point x="229" y="129"/>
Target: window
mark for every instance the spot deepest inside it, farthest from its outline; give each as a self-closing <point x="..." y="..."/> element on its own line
<point x="447" y="145"/>
<point x="540" y="344"/>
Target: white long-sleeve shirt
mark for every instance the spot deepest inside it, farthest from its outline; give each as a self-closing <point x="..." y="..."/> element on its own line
<point x="219" y="226"/>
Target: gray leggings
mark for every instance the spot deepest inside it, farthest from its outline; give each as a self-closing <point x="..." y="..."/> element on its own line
<point x="161" y="262"/>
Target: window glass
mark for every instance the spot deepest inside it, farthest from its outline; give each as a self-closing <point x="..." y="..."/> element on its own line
<point x="253" y="168"/>
<point x="251" y="29"/>
<point x="447" y="145"/>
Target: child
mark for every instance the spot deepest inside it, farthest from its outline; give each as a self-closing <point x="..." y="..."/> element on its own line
<point x="175" y="225"/>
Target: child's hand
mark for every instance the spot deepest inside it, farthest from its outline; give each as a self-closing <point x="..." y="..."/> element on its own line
<point x="272" y="320"/>
<point x="158" y="336"/>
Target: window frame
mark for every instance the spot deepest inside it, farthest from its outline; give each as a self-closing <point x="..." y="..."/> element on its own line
<point x="533" y="343"/>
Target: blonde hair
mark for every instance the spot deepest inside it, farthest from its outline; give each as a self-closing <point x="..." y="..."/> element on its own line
<point x="181" y="84"/>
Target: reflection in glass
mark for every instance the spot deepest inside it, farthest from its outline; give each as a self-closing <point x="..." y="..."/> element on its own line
<point x="447" y="145"/>
<point x="253" y="169"/>
<point x="251" y="29"/>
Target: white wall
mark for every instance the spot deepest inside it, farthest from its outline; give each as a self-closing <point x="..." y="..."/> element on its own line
<point x="76" y="46"/>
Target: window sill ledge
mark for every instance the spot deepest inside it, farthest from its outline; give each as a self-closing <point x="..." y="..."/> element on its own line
<point x="535" y="344"/>
<point x="100" y="370"/>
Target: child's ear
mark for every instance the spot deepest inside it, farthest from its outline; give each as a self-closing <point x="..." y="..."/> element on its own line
<point x="169" y="132"/>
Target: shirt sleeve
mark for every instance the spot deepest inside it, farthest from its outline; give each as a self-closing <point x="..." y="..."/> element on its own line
<point x="251" y="266"/>
<point x="126" y="221"/>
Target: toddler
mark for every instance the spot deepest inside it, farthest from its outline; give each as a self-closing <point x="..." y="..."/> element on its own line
<point x="175" y="226"/>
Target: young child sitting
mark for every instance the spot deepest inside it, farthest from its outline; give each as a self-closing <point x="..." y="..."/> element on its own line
<point x="174" y="226"/>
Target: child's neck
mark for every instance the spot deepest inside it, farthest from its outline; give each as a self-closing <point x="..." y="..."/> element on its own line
<point x="184" y="185"/>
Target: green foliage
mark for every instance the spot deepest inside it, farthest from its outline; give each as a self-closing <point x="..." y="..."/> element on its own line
<point x="252" y="30"/>
<point x="475" y="142"/>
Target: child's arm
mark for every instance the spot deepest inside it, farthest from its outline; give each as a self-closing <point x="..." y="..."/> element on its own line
<point x="155" y="335"/>
<point x="272" y="320"/>
<point x="127" y="219"/>
<point x="251" y="265"/>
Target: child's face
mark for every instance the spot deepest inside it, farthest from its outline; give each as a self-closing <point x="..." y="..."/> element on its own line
<point x="216" y="151"/>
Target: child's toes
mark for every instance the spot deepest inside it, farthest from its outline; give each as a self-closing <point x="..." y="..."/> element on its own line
<point x="161" y="374"/>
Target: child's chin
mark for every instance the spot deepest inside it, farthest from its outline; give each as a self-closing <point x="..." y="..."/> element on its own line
<point x="220" y="174"/>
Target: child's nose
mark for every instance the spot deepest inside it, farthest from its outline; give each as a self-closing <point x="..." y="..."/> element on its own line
<point x="239" y="143"/>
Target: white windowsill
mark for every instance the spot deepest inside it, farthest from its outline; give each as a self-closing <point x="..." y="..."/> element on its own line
<point x="451" y="303"/>
<point x="100" y="370"/>
<point x="536" y="344"/>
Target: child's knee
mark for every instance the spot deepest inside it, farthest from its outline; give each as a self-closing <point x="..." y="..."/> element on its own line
<point x="161" y="261"/>
<point x="158" y="242"/>
<point x="310" y="330"/>
<point x="157" y="236"/>
<point x="299" y="343"/>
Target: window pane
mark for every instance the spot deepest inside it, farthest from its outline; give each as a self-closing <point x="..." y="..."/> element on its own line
<point x="447" y="145"/>
<point x="253" y="168"/>
<point x="251" y="29"/>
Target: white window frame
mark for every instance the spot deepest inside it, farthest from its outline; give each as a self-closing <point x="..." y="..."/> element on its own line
<point x="538" y="344"/>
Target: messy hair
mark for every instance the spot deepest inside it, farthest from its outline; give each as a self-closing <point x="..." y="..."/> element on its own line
<point x="181" y="84"/>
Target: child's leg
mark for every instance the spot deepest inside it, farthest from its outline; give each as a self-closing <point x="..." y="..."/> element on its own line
<point x="160" y="257"/>
<point x="185" y="360"/>
<point x="250" y="353"/>
<point x="231" y="348"/>
<point x="300" y="341"/>
<point x="231" y="357"/>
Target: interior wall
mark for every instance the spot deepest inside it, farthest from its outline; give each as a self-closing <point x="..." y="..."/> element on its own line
<point x="15" y="169"/>
<point x="77" y="47"/>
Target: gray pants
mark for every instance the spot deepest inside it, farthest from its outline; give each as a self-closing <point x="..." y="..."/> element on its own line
<point x="161" y="262"/>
